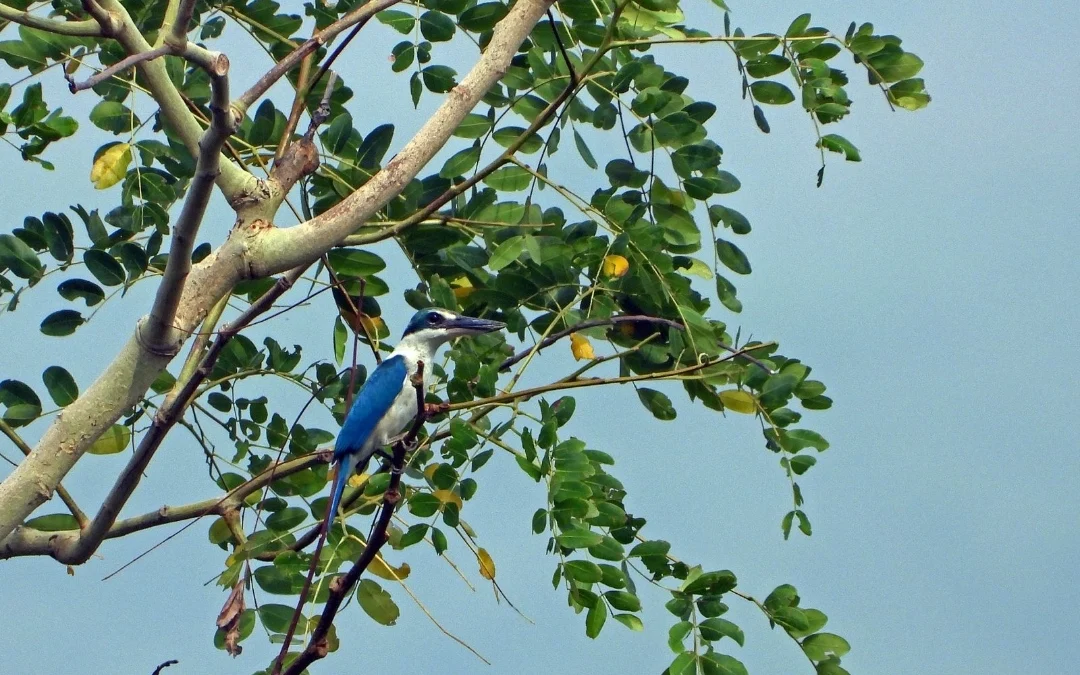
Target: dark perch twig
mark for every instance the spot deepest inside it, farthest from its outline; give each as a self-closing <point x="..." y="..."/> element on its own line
<point x="170" y="662"/>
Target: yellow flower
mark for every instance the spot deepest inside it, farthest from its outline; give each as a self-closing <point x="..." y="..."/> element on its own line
<point x="581" y="348"/>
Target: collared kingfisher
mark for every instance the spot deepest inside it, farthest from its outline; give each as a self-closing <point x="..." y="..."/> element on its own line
<point x="386" y="405"/>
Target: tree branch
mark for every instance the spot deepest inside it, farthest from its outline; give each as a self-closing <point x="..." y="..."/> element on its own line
<point x="288" y="247"/>
<point x="85" y="28"/>
<point x="160" y="335"/>
<point x="614" y="320"/>
<point x="340" y="587"/>
<point x="525" y="394"/>
<point x="25" y="541"/>
<point x="76" y="512"/>
<point x="361" y="15"/>
<point x="236" y="183"/>
<point x="76" y="550"/>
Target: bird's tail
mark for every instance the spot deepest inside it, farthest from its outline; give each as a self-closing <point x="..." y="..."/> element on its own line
<point x="345" y="469"/>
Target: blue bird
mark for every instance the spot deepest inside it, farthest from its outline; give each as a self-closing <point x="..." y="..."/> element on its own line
<point x="386" y="405"/>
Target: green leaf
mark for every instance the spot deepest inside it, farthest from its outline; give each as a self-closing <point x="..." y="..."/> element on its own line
<point x="509" y="179"/>
<point x="506" y="253"/>
<point x="576" y="537"/>
<point x="23" y="405"/>
<point x="716" y="628"/>
<point x="18" y="257"/>
<point x="732" y="257"/>
<point x="584" y="151"/>
<point x="113" y="116"/>
<point x="377" y="603"/>
<point x="583" y="571"/>
<point x="607" y="549"/>
<point x="473" y="126"/>
<point x="821" y="646"/>
<point x="60" y="385"/>
<point x="657" y="403"/>
<point x="439" y="79"/>
<point x="910" y="94"/>
<point x="767" y="65"/>
<point x="436" y="26"/>
<point x="678" y="224"/>
<point x="276" y="618"/>
<point x="74" y="289"/>
<point x="594" y="620"/>
<point x="837" y="143"/>
<point x="59" y="235"/>
<point x="623" y="600"/>
<point x="895" y="65"/>
<point x="104" y="267"/>
<point x="790" y="617"/>
<point x="482" y="17"/>
<point x="714" y="663"/>
<point x="114" y="440"/>
<point x="372" y="150"/>
<point x="800" y="463"/>
<point x="683" y="664"/>
<point x="710" y="583"/>
<point x="53" y="522"/>
<point x="286" y="519"/>
<point x="400" y="21"/>
<point x="630" y="621"/>
<point x="355" y="262"/>
<point x="62" y="322"/>
<point x="770" y="92"/>
<point x="460" y="162"/>
<point x="805" y="438"/>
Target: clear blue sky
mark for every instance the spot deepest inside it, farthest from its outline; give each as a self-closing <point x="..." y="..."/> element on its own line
<point x="932" y="287"/>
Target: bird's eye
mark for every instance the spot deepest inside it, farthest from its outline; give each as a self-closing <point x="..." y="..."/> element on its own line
<point x="434" y="318"/>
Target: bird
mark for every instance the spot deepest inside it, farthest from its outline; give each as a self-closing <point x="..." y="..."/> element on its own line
<point x="386" y="403"/>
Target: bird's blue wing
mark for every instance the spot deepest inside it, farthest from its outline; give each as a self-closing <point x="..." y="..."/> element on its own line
<point x="370" y="405"/>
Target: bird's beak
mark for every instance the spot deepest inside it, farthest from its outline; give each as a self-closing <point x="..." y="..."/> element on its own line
<point x="467" y="324"/>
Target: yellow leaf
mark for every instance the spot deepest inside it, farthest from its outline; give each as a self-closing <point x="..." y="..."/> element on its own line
<point x="359" y="480"/>
<point x="374" y="325"/>
<point x="429" y="470"/>
<point x="382" y="569"/>
<point x="487" y="565"/>
<point x="581" y="348"/>
<point x="448" y="497"/>
<point x="738" y="401"/>
<point x="462" y="286"/>
<point x="110" y="167"/>
<point x="615" y="265"/>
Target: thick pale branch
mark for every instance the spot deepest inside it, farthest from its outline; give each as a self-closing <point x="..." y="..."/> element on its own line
<point x="236" y="183"/>
<point x="285" y="248"/>
<point x="86" y="28"/>
<point x="68" y="500"/>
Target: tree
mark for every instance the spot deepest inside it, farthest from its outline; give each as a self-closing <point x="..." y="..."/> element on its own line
<point x="602" y="257"/>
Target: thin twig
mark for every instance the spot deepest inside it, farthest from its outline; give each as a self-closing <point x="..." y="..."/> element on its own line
<point x="163" y="666"/>
<point x="117" y="68"/>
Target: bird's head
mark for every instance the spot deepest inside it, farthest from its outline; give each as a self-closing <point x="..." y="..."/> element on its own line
<point x="436" y="326"/>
